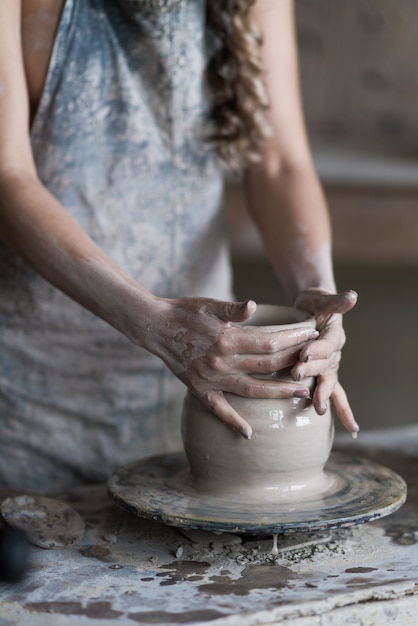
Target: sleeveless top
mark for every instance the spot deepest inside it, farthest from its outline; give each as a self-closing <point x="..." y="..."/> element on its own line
<point x="117" y="138"/>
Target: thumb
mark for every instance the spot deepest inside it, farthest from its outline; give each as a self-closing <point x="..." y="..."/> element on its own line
<point x="317" y="301"/>
<point x="231" y="311"/>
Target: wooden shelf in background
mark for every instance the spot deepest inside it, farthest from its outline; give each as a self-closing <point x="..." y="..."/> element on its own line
<point x="371" y="223"/>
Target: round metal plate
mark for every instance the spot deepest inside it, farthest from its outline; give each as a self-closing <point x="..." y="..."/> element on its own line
<point x="160" y="488"/>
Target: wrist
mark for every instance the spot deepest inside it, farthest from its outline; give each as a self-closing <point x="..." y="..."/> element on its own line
<point x="142" y="317"/>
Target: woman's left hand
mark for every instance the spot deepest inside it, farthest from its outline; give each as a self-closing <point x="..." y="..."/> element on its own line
<point x="321" y="358"/>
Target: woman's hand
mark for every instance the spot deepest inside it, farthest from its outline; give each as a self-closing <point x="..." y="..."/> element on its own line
<point x="202" y="342"/>
<point x="321" y="358"/>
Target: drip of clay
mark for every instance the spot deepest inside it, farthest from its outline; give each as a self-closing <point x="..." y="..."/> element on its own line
<point x="275" y="549"/>
<point x="284" y="461"/>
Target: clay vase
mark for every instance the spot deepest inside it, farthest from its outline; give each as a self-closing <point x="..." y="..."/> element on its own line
<point x="285" y="458"/>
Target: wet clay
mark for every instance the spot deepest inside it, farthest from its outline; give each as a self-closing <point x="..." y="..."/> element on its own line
<point x="360" y="491"/>
<point x="291" y="443"/>
<point x="275" y="549"/>
<point x="272" y="576"/>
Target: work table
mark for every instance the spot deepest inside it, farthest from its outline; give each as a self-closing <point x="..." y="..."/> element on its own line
<point x="132" y="571"/>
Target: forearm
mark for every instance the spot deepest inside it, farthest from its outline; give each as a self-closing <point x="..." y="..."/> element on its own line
<point x="289" y="210"/>
<point x="285" y="198"/>
<point x="36" y="226"/>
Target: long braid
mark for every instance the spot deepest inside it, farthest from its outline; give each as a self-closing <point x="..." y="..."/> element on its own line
<point x="235" y="81"/>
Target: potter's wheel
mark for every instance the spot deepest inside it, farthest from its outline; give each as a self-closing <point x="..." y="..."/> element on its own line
<point x="160" y="488"/>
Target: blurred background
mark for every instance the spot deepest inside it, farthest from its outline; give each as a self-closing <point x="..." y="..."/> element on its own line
<point x="360" y="91"/>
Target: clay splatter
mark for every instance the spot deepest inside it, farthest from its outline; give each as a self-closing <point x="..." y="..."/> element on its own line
<point x="253" y="577"/>
<point x="163" y="617"/>
<point x="360" y="570"/>
<point x="99" y="610"/>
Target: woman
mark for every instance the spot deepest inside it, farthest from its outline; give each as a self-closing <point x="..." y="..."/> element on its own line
<point x="110" y="198"/>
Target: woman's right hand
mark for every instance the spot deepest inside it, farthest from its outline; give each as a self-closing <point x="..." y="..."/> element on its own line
<point x="204" y="345"/>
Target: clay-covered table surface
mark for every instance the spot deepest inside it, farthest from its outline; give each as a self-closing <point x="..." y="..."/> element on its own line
<point x="131" y="571"/>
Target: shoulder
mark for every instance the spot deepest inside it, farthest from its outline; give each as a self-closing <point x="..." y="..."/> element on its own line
<point x="39" y="24"/>
<point x="50" y="7"/>
<point x="14" y="109"/>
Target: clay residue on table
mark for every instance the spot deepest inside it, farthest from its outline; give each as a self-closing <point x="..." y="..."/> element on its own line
<point x="99" y="610"/>
<point x="252" y="577"/>
<point x="138" y="571"/>
<point x="185" y="617"/>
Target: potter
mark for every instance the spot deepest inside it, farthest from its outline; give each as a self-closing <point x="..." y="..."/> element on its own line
<point x="291" y="443"/>
<point x="115" y="273"/>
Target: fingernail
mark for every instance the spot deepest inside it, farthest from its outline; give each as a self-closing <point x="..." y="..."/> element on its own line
<point x="322" y="409"/>
<point x="314" y="335"/>
<point x="307" y="358"/>
<point x="247" y="433"/>
<point x="301" y="393"/>
<point x="355" y="431"/>
<point x="298" y="376"/>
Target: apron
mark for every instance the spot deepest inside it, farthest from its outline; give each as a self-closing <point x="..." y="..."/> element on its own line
<point x="117" y="138"/>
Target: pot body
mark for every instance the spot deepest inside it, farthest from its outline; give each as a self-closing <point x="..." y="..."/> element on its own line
<point x="285" y="458"/>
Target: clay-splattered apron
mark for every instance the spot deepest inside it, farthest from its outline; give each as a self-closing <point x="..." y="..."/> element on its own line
<point x="117" y="139"/>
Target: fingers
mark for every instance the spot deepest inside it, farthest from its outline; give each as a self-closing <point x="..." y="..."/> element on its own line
<point x="236" y="352"/>
<point x="324" y="348"/>
<point x="328" y="388"/>
<point x="332" y="339"/>
<point x="251" y="387"/>
<point x="343" y="409"/>
<point x="317" y="301"/>
<point x="231" y="311"/>
<point x="316" y="367"/>
<point x="216" y="402"/>
<point x="324" y="388"/>
<point x="251" y="340"/>
<point x="211" y="390"/>
<point x="267" y="364"/>
<point x="205" y="323"/>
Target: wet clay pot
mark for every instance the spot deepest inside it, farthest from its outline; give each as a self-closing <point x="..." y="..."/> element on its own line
<point x="291" y="443"/>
